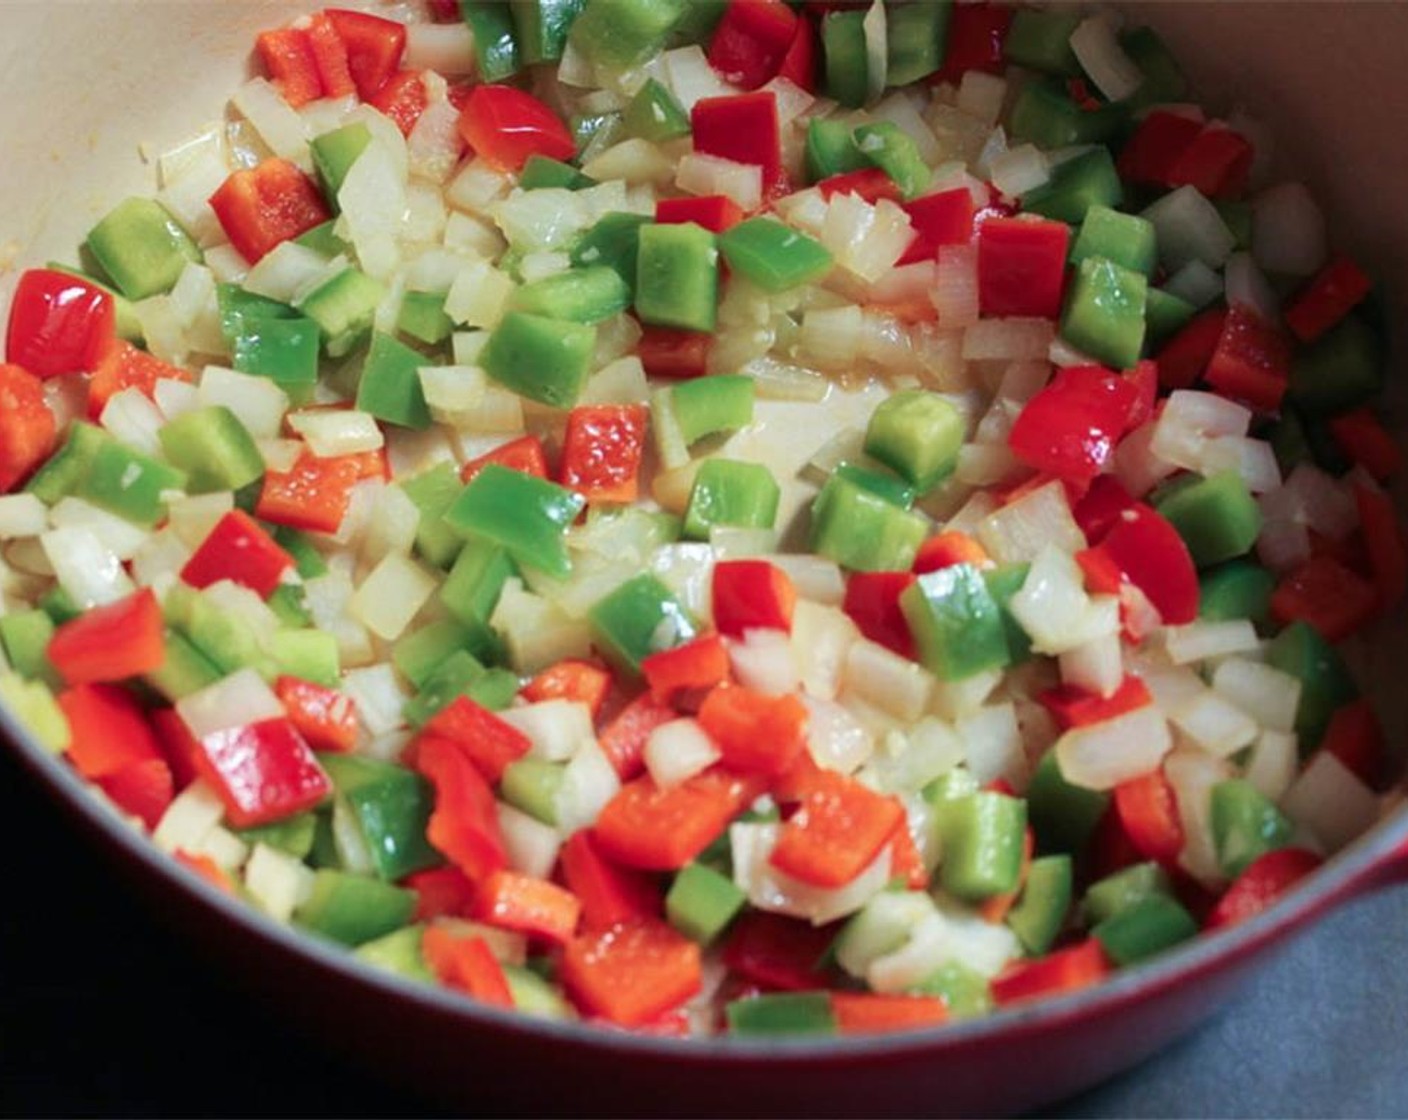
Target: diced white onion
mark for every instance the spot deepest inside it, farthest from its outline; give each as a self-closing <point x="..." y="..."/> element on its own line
<point x="955" y="699"/>
<point x="589" y="781"/>
<point x="1193" y="773"/>
<point x="1198" y="641"/>
<point x="1246" y="286"/>
<point x="1214" y="724"/>
<point x="90" y="572"/>
<point x="446" y="48"/>
<point x="632" y="161"/>
<point x="881" y="677"/>
<point x="116" y="534"/>
<point x="835" y="740"/>
<point x="281" y="129"/>
<point x="21" y="515"/>
<point x="1288" y="231"/>
<point x="1019" y="170"/>
<point x="690" y="77"/>
<point x="981" y="96"/>
<point x="276" y="881"/>
<point x="1102" y="755"/>
<point x="1189" y="228"/>
<point x="1094" y="665"/>
<point x="379" y="696"/>
<point x="189" y="819"/>
<point x="772" y="890"/>
<point x="331" y="432"/>
<point x="955" y="294"/>
<point x="865" y="239"/>
<point x="1008" y="340"/>
<point x="764" y="662"/>
<point x="479" y="296"/>
<point x="1253" y="459"/>
<point x="392" y="595"/>
<point x="821" y="639"/>
<point x="131" y="416"/>
<point x="555" y="728"/>
<point x="530" y="845"/>
<point x="1331" y="802"/>
<point x="1018" y="531"/>
<point x="1137" y="466"/>
<point x="285" y="271"/>
<point x="1051" y="604"/>
<point x="992" y="744"/>
<point x="258" y="402"/>
<point x="1195" y="283"/>
<point x="238" y="700"/>
<point x="1323" y="503"/>
<point x="701" y="174"/>
<point x="393" y="524"/>
<point x="678" y="750"/>
<point x="1273" y="764"/>
<point x="1098" y="50"/>
<point x="1268" y="695"/>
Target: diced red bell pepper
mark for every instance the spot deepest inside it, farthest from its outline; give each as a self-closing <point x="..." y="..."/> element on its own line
<point x="112" y="743"/>
<point x="1355" y="737"/>
<point x="869" y="184"/>
<point x="464" y="825"/>
<point x="602" y="450"/>
<point x="799" y="63"/>
<point x="1148" y="550"/>
<point x="1110" y="849"/>
<point x="326" y="717"/>
<point x="1065" y="970"/>
<point x="374" y="48"/>
<point x="631" y="974"/>
<point x="1217" y="163"/>
<point x="267" y="205"/>
<point x="1186" y="355"/>
<point x="1101" y="506"/>
<point x="751" y="595"/>
<point x="1264" y="881"/>
<point x="1148" y="808"/>
<point x="123" y="366"/>
<point x="945" y="218"/>
<point x="1145" y="379"/>
<point x="178" y="746"/>
<point x="441" y="892"/>
<point x="745" y="129"/>
<point x="145" y="790"/>
<point x="755" y="734"/>
<point x="715" y="212"/>
<point x="838" y="831"/>
<point x="1366" y="442"/>
<point x="28" y="430"/>
<point x="206" y="868"/>
<point x="609" y="894"/>
<point x="976" y="33"/>
<point x="314" y="495"/>
<point x="238" y="549"/>
<point x="445" y="11"/>
<point x="1149" y="157"/>
<point x="658" y="829"/>
<point x="1326" y="298"/>
<point x="262" y="771"/>
<point x="402" y="98"/>
<point x="330" y="57"/>
<point x="1383" y="540"/>
<point x="950" y="548"/>
<point x="623" y="739"/>
<point x="1102" y="576"/>
<point x="505" y="126"/>
<point x="1071" y="706"/>
<point x="751" y="40"/>
<point x="522" y="454"/>
<point x="112" y="642"/>
<point x="1326" y="594"/>
<point x="777" y="953"/>
<point x="1071" y="427"/>
<point x="1252" y="360"/>
<point x="873" y="604"/>
<point x="479" y="735"/>
<point x="1022" y="267"/>
<point x="58" y="323"/>
<point x="512" y="900"/>
<point x="676" y="354"/>
<point x="866" y="1013"/>
<point x="688" y="670"/>
<point x="466" y="964"/>
<point x="582" y="681"/>
<point x="288" y="58"/>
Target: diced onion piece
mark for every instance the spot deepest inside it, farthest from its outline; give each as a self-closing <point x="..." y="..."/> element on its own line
<point x="881" y="677"/>
<point x="1193" y="773"/>
<point x="764" y="662"/>
<point x="1102" y="755"/>
<point x="446" y="48"/>
<point x="1268" y="695"/>
<point x="1198" y="641"/>
<point x="238" y="700"/>
<point x="620" y="382"/>
<point x="192" y="517"/>
<point x="479" y="296"/>
<point x="21" y="515"/>
<point x="530" y="845"/>
<point x="1253" y="459"/>
<point x="131" y="416"/>
<point x="1051" y="604"/>
<point x="331" y="432"/>
<point x="281" y="129"/>
<point x="899" y="109"/>
<point x="1246" y="286"/>
<point x="556" y="728"/>
<point x="258" y="402"/>
<point x="1321" y="502"/>
<point x="1214" y="724"/>
<point x="189" y="819"/>
<point x="1288" y="231"/>
<point x="1282" y="544"/>
<point x="1019" y="531"/>
<point x="226" y="264"/>
<point x="776" y="380"/>
<point x="161" y="327"/>
<point x="981" y="96"/>
<point x="888" y="923"/>
<point x="433" y="149"/>
<point x="392" y="595"/>
<point x="589" y="781"/>
<point x="1195" y="283"/>
<point x="813" y="577"/>
<point x="835" y="740"/>
<point x="1273" y="764"/>
<point x="1189" y="228"/>
<point x="477" y="188"/>
<point x="1098" y="50"/>
<point x="678" y="750"/>
<point x="772" y="890"/>
<point x="1008" y="340"/>
<point x="1019" y="170"/>
<point x="690" y="77"/>
<point x="394" y="521"/>
<point x="91" y="573"/>
<point x="276" y="881"/>
<point x="632" y="161"/>
<point x="792" y="100"/>
<point x="923" y="953"/>
<point x="955" y="294"/>
<point x="285" y="271"/>
<point x="865" y="239"/>
<point x="378" y="696"/>
<point x="821" y="639"/>
<point x="992" y="744"/>
<point x="116" y="534"/>
<point x="1094" y="665"/>
<point x="1330" y="801"/>
<point x="907" y="761"/>
<point x="955" y="699"/>
<point x="158" y="561"/>
<point x="831" y="336"/>
<point x="701" y="174"/>
<point x="1137" y="466"/>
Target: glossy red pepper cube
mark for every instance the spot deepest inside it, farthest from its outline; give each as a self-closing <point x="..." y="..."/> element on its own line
<point x="58" y="323"/>
<point x="238" y="549"/>
<point x="1022" y="267"/>
<point x="262" y="771"/>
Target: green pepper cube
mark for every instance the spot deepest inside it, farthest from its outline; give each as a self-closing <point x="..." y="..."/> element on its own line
<point x="1126" y="239"/>
<point x="130" y="484"/>
<point x="957" y="627"/>
<point x="283" y="350"/>
<point x="452" y="678"/>
<point x="861" y="530"/>
<point x="142" y="248"/>
<point x="917" y="434"/>
<point x="495" y="38"/>
<point x="33" y="706"/>
<point x="1040" y="912"/>
<point x="546" y="360"/>
<point x="983" y="835"/>
<point x="185" y="669"/>
<point x="344" y="307"/>
<point x="655" y="114"/>
<point x="69" y="465"/>
<point x="639" y="618"/>
<point x="595" y="131"/>
<point x="292" y="835"/>
<point x="731" y="492"/>
<point x="582" y="295"/>
<point x="773" y="256"/>
<point x="1216" y="516"/>
<point x="533" y="995"/>
<point x="620" y="34"/>
<point x="434" y="491"/>
<point x="1104" y="313"/>
<point x="614" y="242"/>
<point x="472" y="589"/>
<point x="335" y="152"/>
<point x="531" y="785"/>
<point x="792" y="1014"/>
<point x="706" y="406"/>
<point x="1325" y="680"/>
<point x="423" y="650"/>
<point x="291" y="605"/>
<point x="1164" y="81"/>
<point x="1245" y="825"/>
<point x="965" y="992"/>
<point x="354" y="909"/>
<point x="25" y="637"/>
<point x="1150" y="926"/>
<point x="1340" y="370"/>
<point x="398" y="952"/>
<point x="701" y="902"/>
<point x="528" y="516"/>
<point x="697" y="23"/>
<point x="1004" y="582"/>
<point x="1063" y="815"/>
<point x="1045" y="114"/>
<point x="545" y="173"/>
<point x="677" y="277"/>
<point x="310" y="654"/>
<point x="323" y="240"/>
<point x="390" y="386"/>
<point x="308" y="561"/>
<point x="892" y="488"/>
<point x="1165" y="315"/>
<point x="58" y="604"/>
<point x="423" y="317"/>
<point x="1239" y="589"/>
<point x="916" y="40"/>
<point x="845" y="58"/>
<point x="1122" y="889"/>
<point x="214" y="449"/>
<point x="391" y="807"/>
<point x="239" y="308"/>
<point x="831" y="149"/>
<point x="541" y="28"/>
<point x="1040" y="39"/>
<point x="887" y="146"/>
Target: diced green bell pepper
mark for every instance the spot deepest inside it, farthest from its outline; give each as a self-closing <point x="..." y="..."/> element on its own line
<point x="1004" y="582"/>
<point x="292" y="835"/>
<point x="957" y="627"/>
<point x="142" y="248"/>
<point x="184" y="671"/>
<point x="541" y="172"/>
<point x="1126" y="239"/>
<point x="542" y="27"/>
<point x="731" y="492"/>
<point x="472" y="589"/>
<point x="706" y="406"/>
<point x="677" y="277"/>
<point x="546" y="360"/>
<point x="58" y="604"/>
<point x="390" y="386"/>
<point x="1245" y="825"/>
<point x="33" y="705"/>
<point x="1045" y="115"/>
<point x="917" y="434"/>
<point x="582" y="295"/>
<point x="398" y="952"/>
<point x="1104" y="312"/>
<point x="614" y="241"/>
<point x="25" y="636"/>
<point x="639" y="618"/>
<point x="861" y="530"/>
<point x="1122" y="889"/>
<point x="887" y="146"/>
<point x="594" y="132"/>
<point x="308" y="561"/>
<point x="461" y="674"/>
<point x="1063" y="815"/>
<point x="831" y="149"/>
<point x="434" y="491"/>
<point x="69" y="465"/>
<point x="528" y="516"/>
<point x="619" y="34"/>
<point x="1041" y="910"/>
<point x="1239" y="589"/>
<point x="1340" y="370"/>
<point x="290" y="604"/>
<point x="790" y="1014"/>
<point x="495" y="38"/>
<point x="1217" y="517"/>
<point x="701" y="902"/>
<point x="1148" y="927"/>
<point x="1165" y="314"/>
<point x="354" y="909"/>
<point x="285" y="350"/>
<point x="1325" y="680"/>
<point x="1040" y="39"/>
<point x="533" y="995"/>
<point x="334" y="153"/>
<point x="916" y="40"/>
<point x="391" y="806"/>
<point x="532" y="785"/>
<point x="1164" y="82"/>
<point x="773" y="256"/>
<point x="965" y="993"/>
<point x="214" y="449"/>
<point x="845" y="58"/>
<point x="344" y="307"/>
<point x="323" y="240"/>
<point x="982" y="845"/>
<point x="892" y="488"/>
<point x="423" y="317"/>
<point x="423" y="650"/>
<point x="130" y="484"/>
<point x="655" y="114"/>
<point x="238" y="308"/>
<point x="310" y="654"/>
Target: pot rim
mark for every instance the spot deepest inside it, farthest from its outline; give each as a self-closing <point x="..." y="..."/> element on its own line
<point x="1341" y="877"/>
